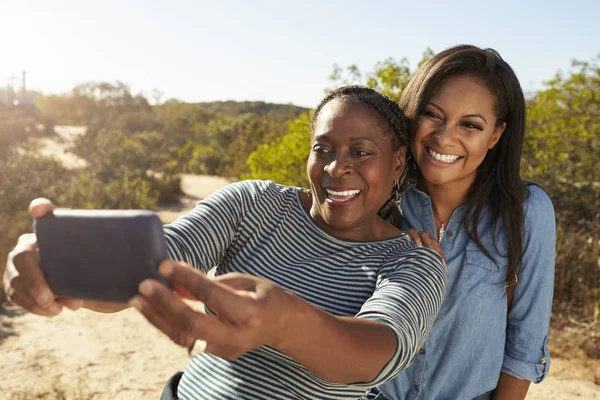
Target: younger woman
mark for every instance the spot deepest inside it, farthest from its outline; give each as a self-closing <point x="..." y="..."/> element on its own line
<point x="467" y="122"/>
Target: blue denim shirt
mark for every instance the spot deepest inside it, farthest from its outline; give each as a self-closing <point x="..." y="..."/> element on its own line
<point x="470" y="342"/>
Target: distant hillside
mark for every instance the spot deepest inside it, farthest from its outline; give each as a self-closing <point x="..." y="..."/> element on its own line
<point x="278" y="112"/>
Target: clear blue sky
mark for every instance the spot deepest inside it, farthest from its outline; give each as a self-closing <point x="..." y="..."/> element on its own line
<point x="276" y="51"/>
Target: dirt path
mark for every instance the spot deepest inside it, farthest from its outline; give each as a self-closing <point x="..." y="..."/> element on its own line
<point x="195" y="187"/>
<point x="87" y="355"/>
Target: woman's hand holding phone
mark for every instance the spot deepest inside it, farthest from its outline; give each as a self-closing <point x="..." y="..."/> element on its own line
<point x="24" y="282"/>
<point x="90" y="258"/>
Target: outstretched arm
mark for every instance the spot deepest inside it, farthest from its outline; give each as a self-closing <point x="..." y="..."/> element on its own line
<point x="253" y="312"/>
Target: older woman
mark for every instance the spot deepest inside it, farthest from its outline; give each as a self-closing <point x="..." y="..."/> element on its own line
<point x="332" y="298"/>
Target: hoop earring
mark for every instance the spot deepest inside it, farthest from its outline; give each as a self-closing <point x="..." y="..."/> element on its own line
<point x="396" y="194"/>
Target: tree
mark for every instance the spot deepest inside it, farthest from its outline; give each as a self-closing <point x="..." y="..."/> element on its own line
<point x="560" y="153"/>
<point x="389" y="77"/>
<point x="284" y="160"/>
<point x="92" y="104"/>
<point x="563" y="130"/>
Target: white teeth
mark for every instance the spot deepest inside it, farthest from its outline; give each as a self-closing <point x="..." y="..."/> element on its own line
<point x="345" y="193"/>
<point x="447" y="158"/>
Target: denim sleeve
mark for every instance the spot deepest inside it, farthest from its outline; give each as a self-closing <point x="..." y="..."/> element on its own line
<point x="526" y="353"/>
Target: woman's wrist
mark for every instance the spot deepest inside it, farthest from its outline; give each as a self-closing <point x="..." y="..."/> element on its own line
<point x="296" y="315"/>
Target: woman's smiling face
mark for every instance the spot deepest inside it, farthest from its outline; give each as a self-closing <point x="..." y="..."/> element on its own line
<point x="454" y="133"/>
<point x="352" y="167"/>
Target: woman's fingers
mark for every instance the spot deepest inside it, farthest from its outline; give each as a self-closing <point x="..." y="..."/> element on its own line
<point x="182" y="291"/>
<point x="24" y="280"/>
<point x="147" y="308"/>
<point x="175" y="318"/>
<point x="238" y="281"/>
<point x="414" y="235"/>
<point x="40" y="207"/>
<point x="250" y="311"/>
<point x="222" y="299"/>
<point x="433" y="244"/>
<point x="422" y="238"/>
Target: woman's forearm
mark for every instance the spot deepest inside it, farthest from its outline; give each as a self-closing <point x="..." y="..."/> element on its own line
<point x="511" y="388"/>
<point x="339" y="349"/>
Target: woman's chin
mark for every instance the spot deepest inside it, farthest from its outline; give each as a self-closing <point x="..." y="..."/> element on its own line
<point x="444" y="178"/>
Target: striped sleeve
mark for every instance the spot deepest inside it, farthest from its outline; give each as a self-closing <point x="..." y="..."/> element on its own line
<point x="201" y="237"/>
<point x="407" y="299"/>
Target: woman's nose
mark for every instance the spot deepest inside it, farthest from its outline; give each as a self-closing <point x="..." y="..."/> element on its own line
<point x="339" y="166"/>
<point x="445" y="135"/>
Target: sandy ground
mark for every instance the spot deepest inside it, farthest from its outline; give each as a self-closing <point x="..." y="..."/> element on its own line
<point x="87" y="355"/>
<point x="58" y="146"/>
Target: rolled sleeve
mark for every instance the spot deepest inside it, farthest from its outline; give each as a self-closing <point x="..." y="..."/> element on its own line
<point x="534" y="371"/>
<point x="526" y="353"/>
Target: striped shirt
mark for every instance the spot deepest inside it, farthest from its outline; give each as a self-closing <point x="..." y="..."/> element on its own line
<point x="262" y="229"/>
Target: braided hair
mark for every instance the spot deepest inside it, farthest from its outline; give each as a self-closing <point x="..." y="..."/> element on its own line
<point x="393" y="123"/>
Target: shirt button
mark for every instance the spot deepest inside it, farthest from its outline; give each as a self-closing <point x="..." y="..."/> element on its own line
<point x="421" y="351"/>
<point x="543" y="360"/>
<point x="416" y="387"/>
<point x="449" y="234"/>
<point x="538" y="379"/>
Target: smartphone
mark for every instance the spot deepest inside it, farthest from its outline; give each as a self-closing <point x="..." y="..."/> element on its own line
<point x="100" y="255"/>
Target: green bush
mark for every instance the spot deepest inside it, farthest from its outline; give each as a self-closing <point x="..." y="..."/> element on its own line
<point x="284" y="160"/>
<point x="577" y="276"/>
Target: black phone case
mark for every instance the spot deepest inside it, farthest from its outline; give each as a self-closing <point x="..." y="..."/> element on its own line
<point x="100" y="254"/>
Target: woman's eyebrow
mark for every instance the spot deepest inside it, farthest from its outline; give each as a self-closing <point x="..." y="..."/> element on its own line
<point x="431" y="103"/>
<point x="362" y="138"/>
<point x="476" y="115"/>
<point x="321" y="137"/>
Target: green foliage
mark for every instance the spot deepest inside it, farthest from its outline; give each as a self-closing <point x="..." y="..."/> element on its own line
<point x="203" y="160"/>
<point x="17" y="124"/>
<point x="389" y="77"/>
<point x="284" y="160"/>
<point x="92" y="104"/>
<point x="120" y="192"/>
<point x="276" y="112"/>
<point x="577" y="278"/>
<point x="136" y="121"/>
<point x="246" y="138"/>
<point x="168" y="187"/>
<point x="25" y="177"/>
<point x="560" y="153"/>
<point x="563" y="140"/>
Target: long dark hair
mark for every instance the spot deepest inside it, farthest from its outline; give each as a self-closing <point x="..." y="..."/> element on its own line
<point x="498" y="185"/>
<point x="394" y="123"/>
